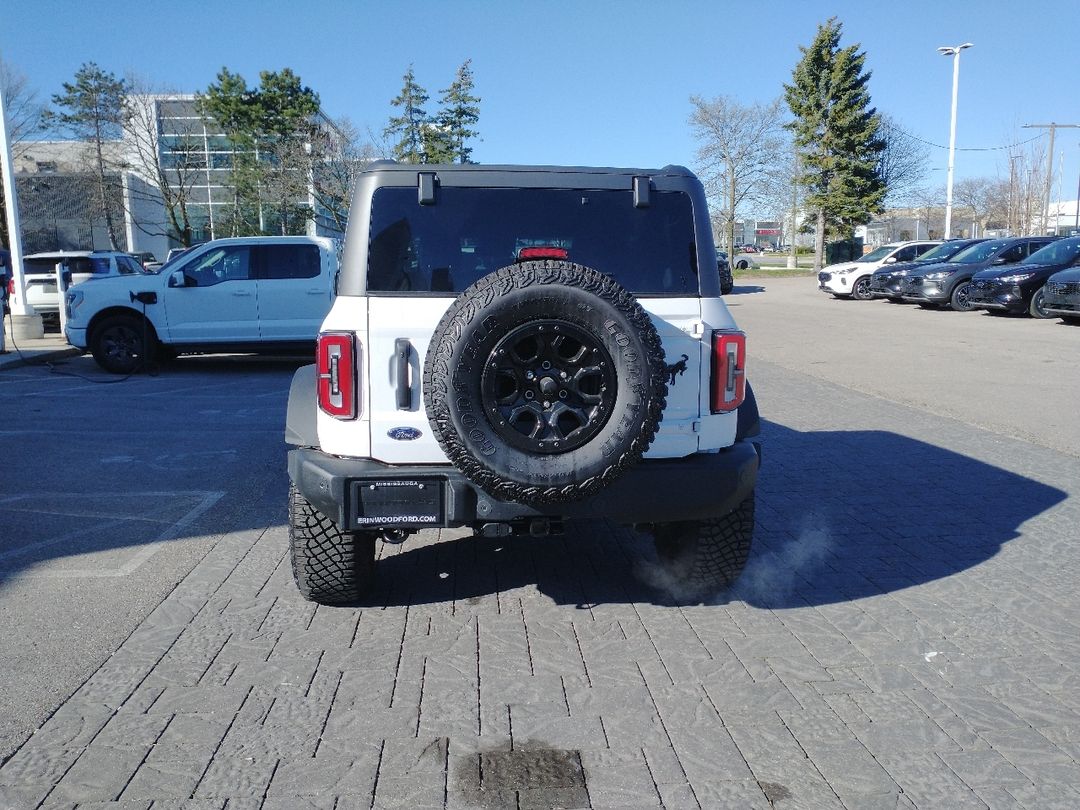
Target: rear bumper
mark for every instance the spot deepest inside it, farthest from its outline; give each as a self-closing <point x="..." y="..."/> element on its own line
<point x="654" y="491"/>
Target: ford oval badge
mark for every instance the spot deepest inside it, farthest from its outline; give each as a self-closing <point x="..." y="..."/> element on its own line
<point x="404" y="434"/>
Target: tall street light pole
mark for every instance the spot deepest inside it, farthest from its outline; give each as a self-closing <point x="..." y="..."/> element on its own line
<point x="954" y="52"/>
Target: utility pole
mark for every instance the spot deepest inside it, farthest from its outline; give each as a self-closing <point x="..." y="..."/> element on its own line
<point x="1050" y="166"/>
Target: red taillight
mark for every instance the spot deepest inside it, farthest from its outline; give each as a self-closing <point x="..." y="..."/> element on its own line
<point x="728" y="371"/>
<point x="336" y="364"/>
<point x="11" y="286"/>
<point x="525" y="254"/>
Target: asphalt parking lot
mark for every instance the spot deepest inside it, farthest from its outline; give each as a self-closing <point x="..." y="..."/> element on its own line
<point x="906" y="634"/>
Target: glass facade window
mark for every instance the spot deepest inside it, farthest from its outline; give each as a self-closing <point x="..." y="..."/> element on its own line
<point x="199" y="156"/>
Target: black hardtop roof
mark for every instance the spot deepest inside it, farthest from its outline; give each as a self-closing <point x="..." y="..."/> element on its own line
<point x="670" y="170"/>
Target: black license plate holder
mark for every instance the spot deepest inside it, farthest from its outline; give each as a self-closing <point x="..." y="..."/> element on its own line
<point x="406" y="502"/>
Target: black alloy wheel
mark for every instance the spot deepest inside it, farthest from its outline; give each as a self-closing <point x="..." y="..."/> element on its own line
<point x="960" y="300"/>
<point x="549" y="387"/>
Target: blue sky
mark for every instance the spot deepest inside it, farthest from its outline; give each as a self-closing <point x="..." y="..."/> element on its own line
<point x="584" y="82"/>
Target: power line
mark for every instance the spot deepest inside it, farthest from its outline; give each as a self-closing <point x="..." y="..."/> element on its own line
<point x="969" y="148"/>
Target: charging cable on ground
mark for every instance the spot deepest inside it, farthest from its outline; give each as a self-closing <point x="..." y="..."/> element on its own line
<point x="144" y="364"/>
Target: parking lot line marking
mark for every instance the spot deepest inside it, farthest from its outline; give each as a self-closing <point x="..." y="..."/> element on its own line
<point x="170" y="532"/>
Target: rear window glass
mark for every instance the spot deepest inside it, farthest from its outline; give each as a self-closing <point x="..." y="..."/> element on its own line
<point x="289" y="261"/>
<point x="76" y="264"/>
<point x="471" y="232"/>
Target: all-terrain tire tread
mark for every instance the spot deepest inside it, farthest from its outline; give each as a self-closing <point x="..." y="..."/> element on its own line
<point x="330" y="567"/>
<point x="706" y="555"/>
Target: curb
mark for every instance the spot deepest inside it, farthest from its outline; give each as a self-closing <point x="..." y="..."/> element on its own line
<point x="12" y="358"/>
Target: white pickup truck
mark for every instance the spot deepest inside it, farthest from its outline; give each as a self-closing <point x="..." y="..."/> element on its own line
<point x="253" y="294"/>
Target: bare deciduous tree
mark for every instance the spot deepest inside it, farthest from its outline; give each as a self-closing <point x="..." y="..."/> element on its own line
<point x="21" y="105"/>
<point x="335" y="164"/>
<point x="172" y="169"/>
<point x="1026" y="186"/>
<point x="23" y="112"/>
<point x="741" y="147"/>
<point x="902" y="162"/>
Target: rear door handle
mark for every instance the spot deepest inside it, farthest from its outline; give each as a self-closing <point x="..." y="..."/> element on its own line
<point x="241" y="292"/>
<point x="402" y="354"/>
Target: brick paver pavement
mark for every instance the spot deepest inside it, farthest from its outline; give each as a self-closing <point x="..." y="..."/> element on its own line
<point x="906" y="636"/>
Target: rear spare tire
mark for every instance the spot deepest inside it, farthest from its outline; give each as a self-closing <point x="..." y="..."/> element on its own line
<point x="544" y="382"/>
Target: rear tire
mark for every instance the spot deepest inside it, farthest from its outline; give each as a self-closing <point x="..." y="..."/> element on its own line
<point x="330" y="567"/>
<point x="706" y="555"/>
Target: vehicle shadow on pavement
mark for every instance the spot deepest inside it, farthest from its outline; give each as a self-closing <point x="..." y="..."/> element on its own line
<point x="746" y="289"/>
<point x="841" y="515"/>
<point x="851" y="514"/>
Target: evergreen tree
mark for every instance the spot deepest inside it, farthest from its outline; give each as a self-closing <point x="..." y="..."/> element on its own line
<point x="409" y="127"/>
<point x="459" y="114"/>
<point x="229" y="104"/>
<point x="836" y="134"/>
<point x="287" y="129"/>
<point x="93" y="111"/>
<point x="270" y="129"/>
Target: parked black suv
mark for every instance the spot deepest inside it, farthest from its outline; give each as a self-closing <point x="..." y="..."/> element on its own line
<point x="947" y="283"/>
<point x="1019" y="288"/>
<point x="885" y="283"/>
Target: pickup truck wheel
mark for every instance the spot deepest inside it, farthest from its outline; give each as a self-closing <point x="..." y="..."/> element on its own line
<point x="705" y="555"/>
<point x="330" y="567"/>
<point x="544" y="381"/>
<point x="121" y="344"/>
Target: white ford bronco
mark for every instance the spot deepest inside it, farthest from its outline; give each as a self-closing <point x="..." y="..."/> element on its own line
<point x="512" y="346"/>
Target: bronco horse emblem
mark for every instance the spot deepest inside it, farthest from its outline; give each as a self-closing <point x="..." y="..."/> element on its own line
<point x="676" y="369"/>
